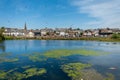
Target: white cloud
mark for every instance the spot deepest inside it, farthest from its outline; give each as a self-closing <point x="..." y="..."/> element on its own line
<point x="107" y="12"/>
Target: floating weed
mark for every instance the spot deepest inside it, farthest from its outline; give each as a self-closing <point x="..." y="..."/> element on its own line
<point x="34" y="71"/>
<point x="2" y="74"/>
<point x="25" y="67"/>
<point x="13" y="75"/>
<point x="80" y="71"/>
<point x="58" y="54"/>
<point x="37" y="57"/>
<point x="6" y="57"/>
<point x="73" y="69"/>
<point x="65" y="52"/>
<point x="110" y="77"/>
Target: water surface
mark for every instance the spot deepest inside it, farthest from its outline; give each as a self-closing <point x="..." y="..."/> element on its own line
<point x="101" y="63"/>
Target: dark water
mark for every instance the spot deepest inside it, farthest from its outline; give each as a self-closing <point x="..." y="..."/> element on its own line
<point x="100" y="63"/>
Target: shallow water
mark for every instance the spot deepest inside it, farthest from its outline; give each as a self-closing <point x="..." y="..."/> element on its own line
<point x="102" y="63"/>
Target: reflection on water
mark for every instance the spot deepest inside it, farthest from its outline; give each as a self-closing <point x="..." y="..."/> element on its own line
<point x="23" y="46"/>
<point x="2" y="46"/>
<point x="20" y="49"/>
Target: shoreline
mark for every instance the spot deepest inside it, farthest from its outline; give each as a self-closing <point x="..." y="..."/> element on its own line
<point x="103" y="39"/>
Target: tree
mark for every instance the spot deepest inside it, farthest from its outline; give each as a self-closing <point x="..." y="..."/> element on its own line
<point x="1" y="33"/>
<point x="115" y="36"/>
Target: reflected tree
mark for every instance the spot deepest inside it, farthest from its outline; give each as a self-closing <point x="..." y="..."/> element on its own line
<point x="2" y="46"/>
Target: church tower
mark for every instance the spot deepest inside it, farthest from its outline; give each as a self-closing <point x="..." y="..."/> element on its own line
<point x="25" y="27"/>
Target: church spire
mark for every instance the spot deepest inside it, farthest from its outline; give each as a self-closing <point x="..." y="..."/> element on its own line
<point x="25" y="27"/>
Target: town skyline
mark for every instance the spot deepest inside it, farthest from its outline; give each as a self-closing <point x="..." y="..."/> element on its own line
<point x="84" y="14"/>
<point x="28" y="28"/>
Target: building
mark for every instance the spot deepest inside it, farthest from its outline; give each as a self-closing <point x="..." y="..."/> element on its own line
<point x="87" y="33"/>
<point x="46" y="31"/>
<point x="13" y="32"/>
<point x="30" y="34"/>
<point x="105" y="32"/>
<point x="37" y="32"/>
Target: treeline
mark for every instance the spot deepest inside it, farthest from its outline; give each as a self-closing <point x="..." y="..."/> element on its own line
<point x="116" y="36"/>
<point x="1" y="34"/>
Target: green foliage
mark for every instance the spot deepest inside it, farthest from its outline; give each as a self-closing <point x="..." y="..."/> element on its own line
<point x="9" y="37"/>
<point x="1" y="34"/>
<point x="115" y="36"/>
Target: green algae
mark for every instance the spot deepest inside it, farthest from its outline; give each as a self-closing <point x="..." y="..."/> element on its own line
<point x="12" y="70"/>
<point x="37" y="57"/>
<point x="5" y="54"/>
<point x="17" y="76"/>
<point x="8" y="60"/>
<point x="90" y="74"/>
<point x="110" y="77"/>
<point x="13" y="75"/>
<point x="60" y="53"/>
<point x="2" y="74"/>
<point x="5" y="57"/>
<point x="80" y="71"/>
<point x="66" y="52"/>
<point x="25" y="67"/>
<point x="34" y="71"/>
<point x="73" y="69"/>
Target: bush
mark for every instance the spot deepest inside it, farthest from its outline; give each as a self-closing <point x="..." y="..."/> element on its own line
<point x="1" y="34"/>
<point x="115" y="36"/>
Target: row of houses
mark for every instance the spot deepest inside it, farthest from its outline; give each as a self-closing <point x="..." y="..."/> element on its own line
<point x="60" y="32"/>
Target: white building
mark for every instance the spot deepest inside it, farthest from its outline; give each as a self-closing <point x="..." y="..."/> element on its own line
<point x="13" y="32"/>
<point x="87" y="34"/>
<point x="43" y="32"/>
<point x="30" y="34"/>
<point x="62" y="33"/>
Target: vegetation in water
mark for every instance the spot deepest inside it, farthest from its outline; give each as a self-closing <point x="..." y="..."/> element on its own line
<point x="110" y="77"/>
<point x="25" y="67"/>
<point x="66" y="52"/>
<point x="2" y="74"/>
<point x="58" y="54"/>
<point x="91" y="74"/>
<point x="5" y="57"/>
<point x="73" y="70"/>
<point x="80" y="71"/>
<point x="37" y="57"/>
<point x="13" y="75"/>
<point x="34" y="71"/>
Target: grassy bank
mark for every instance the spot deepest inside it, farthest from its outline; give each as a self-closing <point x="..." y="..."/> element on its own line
<point x="107" y="39"/>
<point x="16" y="38"/>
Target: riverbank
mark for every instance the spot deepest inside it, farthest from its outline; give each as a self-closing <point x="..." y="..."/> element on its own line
<point x="106" y="39"/>
<point x="85" y="38"/>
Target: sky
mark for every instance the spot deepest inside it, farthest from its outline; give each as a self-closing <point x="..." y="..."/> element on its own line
<point x="83" y="14"/>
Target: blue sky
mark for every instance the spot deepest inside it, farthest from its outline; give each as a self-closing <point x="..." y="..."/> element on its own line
<point x="38" y="14"/>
